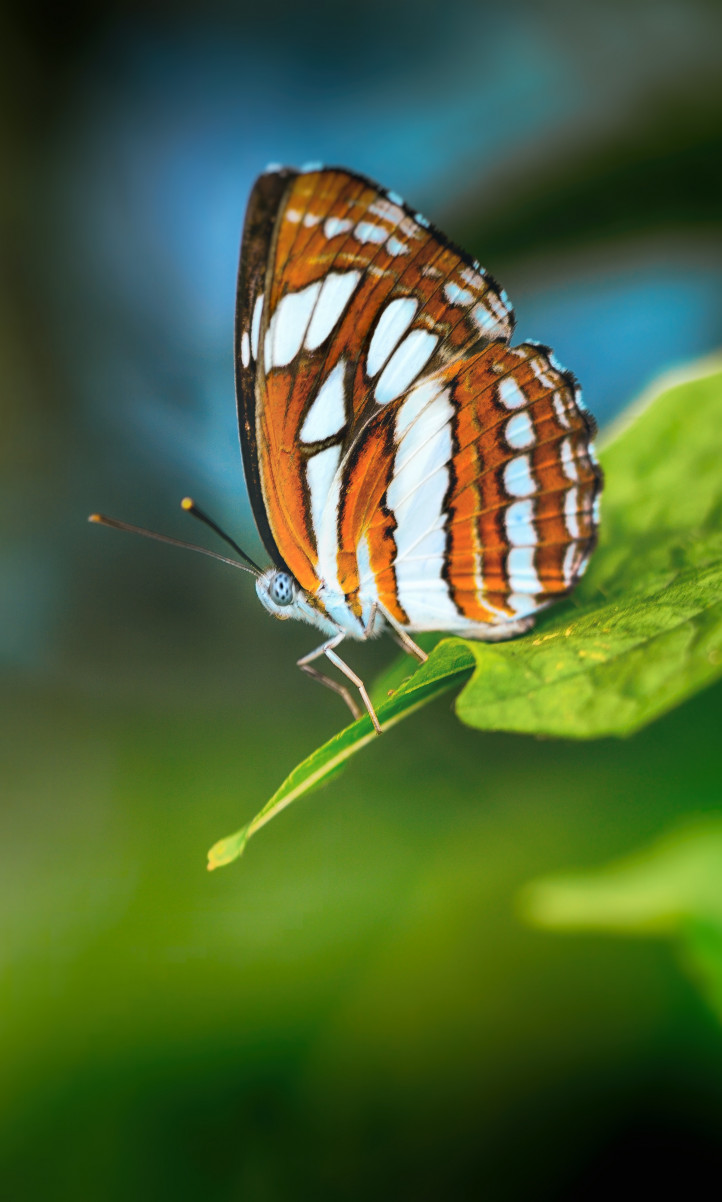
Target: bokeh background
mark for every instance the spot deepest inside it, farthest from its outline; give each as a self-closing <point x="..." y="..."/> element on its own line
<point x="356" y="1009"/>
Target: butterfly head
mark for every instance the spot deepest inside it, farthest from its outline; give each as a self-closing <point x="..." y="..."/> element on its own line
<point x="279" y="593"/>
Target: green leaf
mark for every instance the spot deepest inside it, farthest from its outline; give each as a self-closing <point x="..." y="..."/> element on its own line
<point x="642" y="632"/>
<point x="673" y="889"/>
<point x="448" y="666"/>
<point x="644" y="629"/>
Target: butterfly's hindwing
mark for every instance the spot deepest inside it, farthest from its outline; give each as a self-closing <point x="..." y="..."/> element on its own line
<point x="472" y="498"/>
<point x="525" y="483"/>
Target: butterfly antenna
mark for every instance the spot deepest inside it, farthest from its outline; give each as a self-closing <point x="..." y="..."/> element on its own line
<point x="114" y="524"/>
<point x="190" y="507"/>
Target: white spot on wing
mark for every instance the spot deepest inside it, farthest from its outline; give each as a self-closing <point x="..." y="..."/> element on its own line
<point x="288" y="325"/>
<point x="473" y="277"/>
<point x="458" y="296"/>
<point x="522" y="604"/>
<point x="571" y="503"/>
<point x="484" y="321"/>
<point x="245" y="349"/>
<point x="539" y="369"/>
<point x="519" y="431"/>
<point x="409" y="358"/>
<point x="363" y="559"/>
<point x="256" y="324"/>
<point x="519" y="521"/>
<point x="408" y="227"/>
<point x="520" y="569"/>
<point x="393" y="323"/>
<point x="560" y="410"/>
<point x="416" y="496"/>
<point x="336" y="292"/>
<point x="411" y="430"/>
<point x="366" y="231"/>
<point x="510" y="394"/>
<point x="569" y="466"/>
<point x="394" y="247"/>
<point x="333" y="226"/>
<point x="327" y="414"/>
<point x="426" y="416"/>
<point x="324" y="482"/>
<point x="320" y="471"/>
<point x="368" y="592"/>
<point x="570" y="558"/>
<point x="389" y="212"/>
<point x="582" y="564"/>
<point x="518" y="480"/>
<point x="499" y="305"/>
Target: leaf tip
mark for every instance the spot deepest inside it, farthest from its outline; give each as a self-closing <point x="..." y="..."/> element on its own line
<point x="225" y="851"/>
<point x="543" y="903"/>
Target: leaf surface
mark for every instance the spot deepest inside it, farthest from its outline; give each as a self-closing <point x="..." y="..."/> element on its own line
<point x="672" y="889"/>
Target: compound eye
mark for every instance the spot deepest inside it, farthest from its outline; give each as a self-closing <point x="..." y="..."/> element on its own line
<point x="282" y="588"/>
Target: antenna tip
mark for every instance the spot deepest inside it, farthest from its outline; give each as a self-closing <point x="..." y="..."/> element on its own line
<point x="95" y="517"/>
<point x="188" y="503"/>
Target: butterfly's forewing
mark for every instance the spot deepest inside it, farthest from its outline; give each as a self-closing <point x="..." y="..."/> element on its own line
<point x="346" y="298"/>
<point x="258" y="231"/>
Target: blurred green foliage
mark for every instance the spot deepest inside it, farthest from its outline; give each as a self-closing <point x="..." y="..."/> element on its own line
<point x="361" y="985"/>
<point x="673" y="890"/>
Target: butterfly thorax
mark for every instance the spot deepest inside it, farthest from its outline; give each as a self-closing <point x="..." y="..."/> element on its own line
<point x="282" y="596"/>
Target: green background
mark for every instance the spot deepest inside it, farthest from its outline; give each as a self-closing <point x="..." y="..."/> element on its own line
<point x="357" y="1008"/>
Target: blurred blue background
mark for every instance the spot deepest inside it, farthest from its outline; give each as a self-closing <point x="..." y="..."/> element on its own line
<point x="355" y="1008"/>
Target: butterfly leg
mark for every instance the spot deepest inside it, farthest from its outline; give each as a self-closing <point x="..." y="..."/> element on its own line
<point x="401" y="636"/>
<point x="328" y="649"/>
<point x="332" y="684"/>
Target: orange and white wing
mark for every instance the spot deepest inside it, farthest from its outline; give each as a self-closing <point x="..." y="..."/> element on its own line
<point x="398" y="450"/>
<point x="471" y="502"/>
<point x="346" y="297"/>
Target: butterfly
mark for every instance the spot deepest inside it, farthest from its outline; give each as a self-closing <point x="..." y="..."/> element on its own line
<point x="409" y="470"/>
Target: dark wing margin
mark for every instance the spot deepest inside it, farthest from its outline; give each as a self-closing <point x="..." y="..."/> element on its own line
<point x="253" y="281"/>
